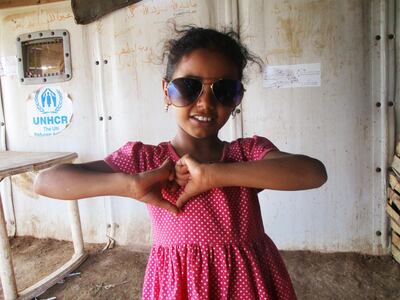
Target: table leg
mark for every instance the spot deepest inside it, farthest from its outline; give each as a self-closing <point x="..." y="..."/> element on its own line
<point x="76" y="228"/>
<point x="6" y="265"/>
<point x="77" y="259"/>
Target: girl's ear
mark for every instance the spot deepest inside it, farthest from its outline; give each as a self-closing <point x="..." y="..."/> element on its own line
<point x="164" y="84"/>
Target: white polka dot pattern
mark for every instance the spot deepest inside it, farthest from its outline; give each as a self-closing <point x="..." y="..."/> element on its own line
<point x="216" y="248"/>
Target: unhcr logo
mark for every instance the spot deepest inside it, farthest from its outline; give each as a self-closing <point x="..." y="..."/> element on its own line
<point x="49" y="111"/>
<point x="49" y="100"/>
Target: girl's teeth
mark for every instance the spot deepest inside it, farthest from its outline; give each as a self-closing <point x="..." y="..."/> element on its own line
<point x="202" y="118"/>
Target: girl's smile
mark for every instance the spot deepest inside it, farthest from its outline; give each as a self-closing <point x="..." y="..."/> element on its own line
<point x="202" y="119"/>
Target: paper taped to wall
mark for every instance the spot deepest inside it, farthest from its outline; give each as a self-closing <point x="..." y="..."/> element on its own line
<point x="292" y="76"/>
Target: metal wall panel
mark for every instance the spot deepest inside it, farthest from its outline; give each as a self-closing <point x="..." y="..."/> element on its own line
<point x="332" y="122"/>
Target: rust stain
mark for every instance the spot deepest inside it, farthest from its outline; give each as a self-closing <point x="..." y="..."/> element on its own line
<point x="301" y="25"/>
<point x="293" y="32"/>
<point x="25" y="183"/>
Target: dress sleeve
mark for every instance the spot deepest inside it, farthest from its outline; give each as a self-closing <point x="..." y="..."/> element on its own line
<point x="127" y="158"/>
<point x="257" y="147"/>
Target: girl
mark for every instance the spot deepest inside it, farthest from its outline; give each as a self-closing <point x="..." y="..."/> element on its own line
<point x="208" y="236"/>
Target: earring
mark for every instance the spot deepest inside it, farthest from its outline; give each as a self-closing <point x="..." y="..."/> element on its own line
<point x="233" y="113"/>
<point x="167" y="107"/>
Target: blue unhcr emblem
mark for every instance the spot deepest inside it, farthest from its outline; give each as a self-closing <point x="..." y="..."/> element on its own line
<point x="49" y="100"/>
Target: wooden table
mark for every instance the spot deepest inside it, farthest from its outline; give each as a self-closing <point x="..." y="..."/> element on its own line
<point x="13" y="163"/>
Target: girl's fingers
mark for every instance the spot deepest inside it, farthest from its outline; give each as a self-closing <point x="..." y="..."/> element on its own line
<point x="188" y="161"/>
<point x="181" y="182"/>
<point x="183" y="199"/>
<point x="182" y="176"/>
<point x="158" y="201"/>
<point x="181" y="169"/>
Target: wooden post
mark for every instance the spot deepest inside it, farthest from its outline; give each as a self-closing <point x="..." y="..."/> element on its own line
<point x="76" y="228"/>
<point x="6" y="266"/>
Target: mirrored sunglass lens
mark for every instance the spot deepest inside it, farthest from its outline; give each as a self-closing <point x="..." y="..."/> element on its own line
<point x="183" y="91"/>
<point x="228" y="92"/>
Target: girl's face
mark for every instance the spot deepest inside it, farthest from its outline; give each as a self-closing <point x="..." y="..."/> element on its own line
<point x="205" y="117"/>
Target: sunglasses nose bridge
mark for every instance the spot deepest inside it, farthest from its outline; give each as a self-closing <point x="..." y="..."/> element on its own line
<point x="206" y="95"/>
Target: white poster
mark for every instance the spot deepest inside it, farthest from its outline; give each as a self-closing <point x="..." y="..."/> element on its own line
<point x="292" y="76"/>
<point x="49" y="111"/>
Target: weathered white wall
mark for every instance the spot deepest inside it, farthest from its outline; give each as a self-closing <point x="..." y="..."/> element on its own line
<point x="332" y="122"/>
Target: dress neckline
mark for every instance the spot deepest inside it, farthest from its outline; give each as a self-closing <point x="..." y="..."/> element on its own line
<point x="176" y="157"/>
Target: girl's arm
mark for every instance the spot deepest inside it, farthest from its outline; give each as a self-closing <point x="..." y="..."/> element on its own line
<point x="277" y="171"/>
<point x="76" y="181"/>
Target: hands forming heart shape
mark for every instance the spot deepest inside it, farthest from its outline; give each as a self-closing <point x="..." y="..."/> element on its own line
<point x="187" y="173"/>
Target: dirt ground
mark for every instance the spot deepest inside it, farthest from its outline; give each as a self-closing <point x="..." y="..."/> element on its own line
<point x="118" y="273"/>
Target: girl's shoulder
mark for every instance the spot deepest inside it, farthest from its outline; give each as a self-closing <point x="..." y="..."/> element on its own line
<point x="249" y="148"/>
<point x="138" y="147"/>
<point x="136" y="157"/>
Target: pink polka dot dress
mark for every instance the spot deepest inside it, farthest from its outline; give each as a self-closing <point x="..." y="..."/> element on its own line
<point x="216" y="248"/>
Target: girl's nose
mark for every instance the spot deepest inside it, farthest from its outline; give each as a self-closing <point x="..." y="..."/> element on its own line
<point x="206" y="98"/>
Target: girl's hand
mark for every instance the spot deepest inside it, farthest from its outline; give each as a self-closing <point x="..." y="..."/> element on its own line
<point x="148" y="189"/>
<point x="193" y="175"/>
<point x="154" y="197"/>
<point x="182" y="174"/>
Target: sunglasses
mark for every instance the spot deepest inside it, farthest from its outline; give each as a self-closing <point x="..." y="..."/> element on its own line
<point x="186" y="90"/>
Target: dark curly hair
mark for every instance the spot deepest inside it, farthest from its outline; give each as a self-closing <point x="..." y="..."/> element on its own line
<point x="190" y="38"/>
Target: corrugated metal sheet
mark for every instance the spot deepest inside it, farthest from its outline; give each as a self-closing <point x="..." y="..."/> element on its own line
<point x="333" y="122"/>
